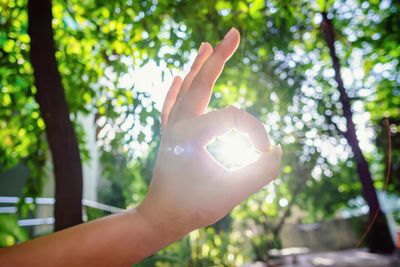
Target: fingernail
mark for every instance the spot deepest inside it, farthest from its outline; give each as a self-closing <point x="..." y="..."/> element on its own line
<point x="278" y="151"/>
<point x="174" y="80"/>
<point x="202" y="48"/>
<point x="230" y="34"/>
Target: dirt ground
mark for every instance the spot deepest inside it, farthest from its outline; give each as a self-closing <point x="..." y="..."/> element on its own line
<point x="345" y="258"/>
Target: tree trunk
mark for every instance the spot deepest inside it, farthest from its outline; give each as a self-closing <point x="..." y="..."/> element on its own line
<point x="53" y="107"/>
<point x="379" y="237"/>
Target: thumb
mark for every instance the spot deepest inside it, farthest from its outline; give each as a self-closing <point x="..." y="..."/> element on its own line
<point x="256" y="175"/>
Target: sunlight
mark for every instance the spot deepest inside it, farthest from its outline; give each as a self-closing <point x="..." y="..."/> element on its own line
<point x="233" y="150"/>
<point x="156" y="79"/>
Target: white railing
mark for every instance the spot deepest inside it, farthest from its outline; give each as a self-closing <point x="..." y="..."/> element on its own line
<point x="47" y="201"/>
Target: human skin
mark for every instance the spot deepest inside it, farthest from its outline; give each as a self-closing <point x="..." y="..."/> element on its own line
<point x="189" y="189"/>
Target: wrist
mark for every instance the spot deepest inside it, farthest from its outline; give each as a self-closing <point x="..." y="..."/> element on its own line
<point x="161" y="222"/>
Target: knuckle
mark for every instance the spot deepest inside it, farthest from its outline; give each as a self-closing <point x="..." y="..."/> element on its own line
<point x="221" y="53"/>
<point x="220" y="57"/>
<point x="275" y="169"/>
<point x="218" y="54"/>
<point x="199" y="83"/>
<point x="231" y="112"/>
<point x="235" y="115"/>
<point x="257" y="127"/>
<point x="232" y="109"/>
<point x="196" y="65"/>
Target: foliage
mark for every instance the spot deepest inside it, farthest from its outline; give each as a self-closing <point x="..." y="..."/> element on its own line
<point x="10" y="232"/>
<point x="93" y="213"/>
<point x="203" y="247"/>
<point x="21" y="127"/>
<point x="281" y="73"/>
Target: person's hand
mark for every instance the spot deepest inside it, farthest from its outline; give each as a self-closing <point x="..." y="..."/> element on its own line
<point x="189" y="189"/>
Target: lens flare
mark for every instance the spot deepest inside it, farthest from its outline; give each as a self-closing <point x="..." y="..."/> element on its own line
<point x="233" y="150"/>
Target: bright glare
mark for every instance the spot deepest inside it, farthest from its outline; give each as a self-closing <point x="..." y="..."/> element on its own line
<point x="233" y="150"/>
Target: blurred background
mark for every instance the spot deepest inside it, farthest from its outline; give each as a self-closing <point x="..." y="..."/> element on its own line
<point x="322" y="76"/>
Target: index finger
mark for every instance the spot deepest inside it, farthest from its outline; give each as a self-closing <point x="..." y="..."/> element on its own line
<point x="219" y="122"/>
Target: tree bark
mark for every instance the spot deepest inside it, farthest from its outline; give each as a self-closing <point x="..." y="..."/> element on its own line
<point x="54" y="110"/>
<point x="380" y="235"/>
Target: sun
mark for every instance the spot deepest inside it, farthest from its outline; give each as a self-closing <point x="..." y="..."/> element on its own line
<point x="233" y="150"/>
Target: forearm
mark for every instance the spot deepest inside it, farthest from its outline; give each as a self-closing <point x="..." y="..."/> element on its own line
<point x="118" y="240"/>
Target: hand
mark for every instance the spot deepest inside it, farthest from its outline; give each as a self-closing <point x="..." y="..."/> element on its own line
<point x="189" y="188"/>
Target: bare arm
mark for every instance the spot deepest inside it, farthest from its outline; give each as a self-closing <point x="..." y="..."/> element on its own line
<point x="188" y="190"/>
<point x="117" y="240"/>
